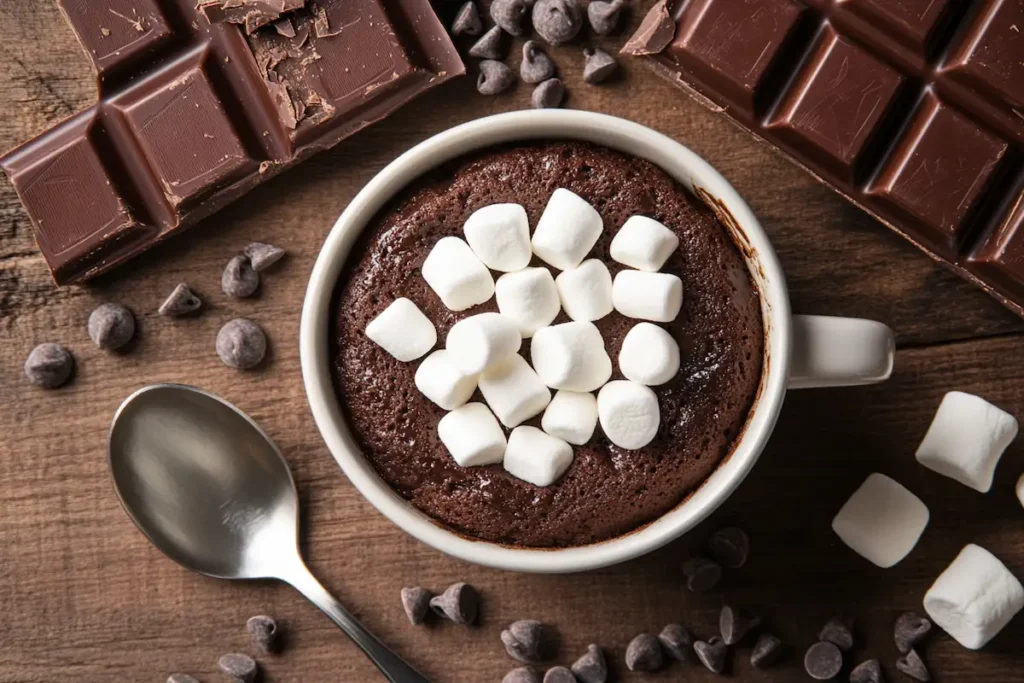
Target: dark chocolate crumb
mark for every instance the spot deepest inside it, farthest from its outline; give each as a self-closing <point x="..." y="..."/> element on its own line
<point x="263" y="630"/>
<point x="644" y="653"/>
<point x="701" y="574"/>
<point x="712" y="653"/>
<point x="838" y="630"/>
<point x="242" y="668"/>
<point x="536" y="65"/>
<point x="735" y="625"/>
<point x="495" y="77"/>
<point x="467" y="22"/>
<point x="823" y="661"/>
<point x="912" y="665"/>
<point x="489" y="46"/>
<point x="676" y="641"/>
<point x="49" y="366"/>
<point x="460" y="603"/>
<point x="867" y="672"/>
<point x="604" y="15"/>
<point x="591" y="667"/>
<point x="416" y="603"/>
<point x="524" y="640"/>
<point x="557" y="21"/>
<point x="509" y="14"/>
<point x="767" y="650"/>
<point x="910" y="630"/>
<point x="548" y="94"/>
<point x="730" y="546"/>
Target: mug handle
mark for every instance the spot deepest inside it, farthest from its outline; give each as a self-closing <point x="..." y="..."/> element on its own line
<point x="839" y="352"/>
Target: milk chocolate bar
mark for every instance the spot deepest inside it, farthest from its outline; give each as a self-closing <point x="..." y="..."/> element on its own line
<point x="201" y="102"/>
<point x="912" y="109"/>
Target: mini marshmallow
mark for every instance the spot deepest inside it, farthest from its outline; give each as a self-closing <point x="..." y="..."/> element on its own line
<point x="571" y="416"/>
<point x="456" y="275"/>
<point x="528" y="298"/>
<point x="629" y="414"/>
<point x="974" y="598"/>
<point x="536" y="457"/>
<point x="403" y="331"/>
<point x="472" y="436"/>
<point x="881" y="521"/>
<point x="586" y="291"/>
<point x="567" y="230"/>
<point x="649" y="355"/>
<point x="647" y="296"/>
<point x="499" y="235"/>
<point x="514" y="391"/>
<point x="441" y="380"/>
<point x="643" y="243"/>
<point x="966" y="440"/>
<point x="571" y="356"/>
<point x="481" y="340"/>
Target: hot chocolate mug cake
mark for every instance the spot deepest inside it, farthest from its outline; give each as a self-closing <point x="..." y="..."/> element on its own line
<point x="559" y="340"/>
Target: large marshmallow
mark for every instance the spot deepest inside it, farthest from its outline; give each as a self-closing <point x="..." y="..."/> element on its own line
<point x="567" y="230"/>
<point x="499" y="235"/>
<point x="571" y="356"/>
<point x="514" y="391"/>
<point x="647" y="296"/>
<point x="882" y="521"/>
<point x="402" y="330"/>
<point x="586" y="291"/>
<point x="529" y="298"/>
<point x="481" y="340"/>
<point x="536" y="457"/>
<point x="571" y="416"/>
<point x="629" y="414"/>
<point x="649" y="355"/>
<point x="455" y="273"/>
<point x="440" y="379"/>
<point x="643" y="243"/>
<point x="472" y="436"/>
<point x="974" y="598"/>
<point x="966" y="440"/>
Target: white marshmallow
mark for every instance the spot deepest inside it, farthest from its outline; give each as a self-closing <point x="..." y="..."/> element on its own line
<point x="629" y="414"/>
<point x="402" y="330"/>
<point x="966" y="439"/>
<point x="456" y="275"/>
<point x="1020" y="489"/>
<point x="481" y="340"/>
<point x="974" y="598"/>
<point x="567" y="230"/>
<point x="528" y="298"/>
<point x="643" y="243"/>
<point x="571" y="416"/>
<point x="649" y="355"/>
<point x="472" y="435"/>
<point x="881" y="521"/>
<point x="586" y="291"/>
<point x="499" y="235"/>
<point x="647" y="296"/>
<point x="536" y="457"/>
<point x="441" y="380"/>
<point x="513" y="391"/>
<point x="571" y="356"/>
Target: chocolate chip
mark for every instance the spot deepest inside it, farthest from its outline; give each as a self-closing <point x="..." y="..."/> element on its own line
<point x="49" y="365"/>
<point x="263" y="630"/>
<point x="823" y="661"/>
<point x="591" y="667"/>
<point x="730" y="546"/>
<point x="182" y="301"/>
<point x="489" y="46"/>
<point x="712" y="653"/>
<point x="262" y="255"/>
<point x="559" y="674"/>
<point x="181" y="678"/>
<point x="599" y="65"/>
<point x="910" y="630"/>
<point x="242" y="668"/>
<point x="644" y="653"/>
<point x="508" y="14"/>
<point x="523" y="674"/>
<point x="867" y="672"/>
<point x="241" y="344"/>
<point x="524" y="640"/>
<point x="548" y="94"/>
<point x="604" y="16"/>
<point x="111" y="326"/>
<point x="495" y="77"/>
<point x="239" y="279"/>
<point x="767" y="650"/>
<point x="467" y="21"/>
<point x="734" y="625"/>
<point x="557" y="21"/>
<point x="912" y="665"/>
<point x="676" y="641"/>
<point x="460" y="602"/>
<point x="416" y="603"/>
<point x="701" y="574"/>
<point x="838" y="630"/>
<point x="536" y="65"/>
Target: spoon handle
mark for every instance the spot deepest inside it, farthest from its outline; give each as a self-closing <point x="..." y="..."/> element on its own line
<point x="394" y="668"/>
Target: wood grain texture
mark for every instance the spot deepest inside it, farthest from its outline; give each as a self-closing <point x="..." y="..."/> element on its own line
<point x="87" y="598"/>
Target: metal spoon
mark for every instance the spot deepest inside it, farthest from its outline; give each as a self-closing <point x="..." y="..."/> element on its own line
<point x="212" y="491"/>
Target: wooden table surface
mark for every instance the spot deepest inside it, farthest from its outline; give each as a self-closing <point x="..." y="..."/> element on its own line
<point x="86" y="598"/>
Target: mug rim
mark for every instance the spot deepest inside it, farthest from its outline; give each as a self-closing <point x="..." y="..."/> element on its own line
<point x="629" y="137"/>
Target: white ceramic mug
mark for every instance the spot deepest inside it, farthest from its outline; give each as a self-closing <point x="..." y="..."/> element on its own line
<point x="800" y="351"/>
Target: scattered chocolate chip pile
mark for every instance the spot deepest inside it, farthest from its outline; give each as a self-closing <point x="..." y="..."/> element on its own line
<point x="241" y="668"/>
<point x="459" y="603"/>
